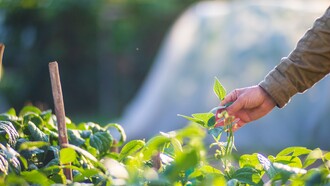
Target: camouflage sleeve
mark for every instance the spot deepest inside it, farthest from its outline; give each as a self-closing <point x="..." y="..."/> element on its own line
<point x="308" y="63"/>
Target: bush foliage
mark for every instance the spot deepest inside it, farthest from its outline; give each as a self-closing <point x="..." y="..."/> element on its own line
<point x="30" y="155"/>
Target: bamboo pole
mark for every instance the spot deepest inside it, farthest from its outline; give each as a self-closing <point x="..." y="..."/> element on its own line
<point x="59" y="109"/>
<point x="2" y="49"/>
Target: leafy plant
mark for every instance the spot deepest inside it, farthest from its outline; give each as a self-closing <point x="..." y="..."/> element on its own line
<point x="30" y="154"/>
<point x="208" y="120"/>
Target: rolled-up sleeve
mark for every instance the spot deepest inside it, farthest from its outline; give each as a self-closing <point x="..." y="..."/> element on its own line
<point x="308" y="63"/>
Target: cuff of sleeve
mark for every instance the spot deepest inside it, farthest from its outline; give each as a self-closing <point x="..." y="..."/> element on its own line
<point x="278" y="87"/>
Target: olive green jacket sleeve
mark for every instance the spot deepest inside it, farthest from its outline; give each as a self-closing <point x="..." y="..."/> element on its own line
<point x="308" y="63"/>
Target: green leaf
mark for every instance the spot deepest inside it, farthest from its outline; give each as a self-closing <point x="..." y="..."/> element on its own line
<point x="327" y="156"/>
<point x="250" y="160"/>
<point x="53" y="162"/>
<point x="285" y="172"/>
<point x="23" y="162"/>
<point x="75" y="138"/>
<point x="195" y="174"/>
<point x="36" y="177"/>
<point x="49" y="123"/>
<point x="86" y="173"/>
<point x="195" y="120"/>
<point x="120" y="130"/>
<point x="11" y="112"/>
<point x="194" y="131"/>
<point x="267" y="165"/>
<point x="207" y="169"/>
<point x="36" y="133"/>
<point x="207" y="118"/>
<point x="218" y="180"/>
<point x="29" y="109"/>
<point x="248" y="175"/>
<point x="177" y="146"/>
<point x="94" y="127"/>
<point x="7" y="130"/>
<point x="291" y="161"/>
<point x="204" y="170"/>
<point x="82" y="151"/>
<point x="219" y="90"/>
<point x="312" y="157"/>
<point x="11" y="157"/>
<point x="55" y="174"/>
<point x="8" y="117"/>
<point x="31" y="145"/>
<point x="204" y="119"/>
<point x="67" y="155"/>
<point x="286" y="168"/>
<point x="102" y="141"/>
<point x="157" y="141"/>
<point x="13" y="179"/>
<point x="34" y="118"/>
<point x="232" y="182"/>
<point x="4" y="166"/>
<point x="155" y="144"/>
<point x="46" y="115"/>
<point x="85" y="133"/>
<point x="294" y="151"/>
<point x="182" y="162"/>
<point x="53" y="135"/>
<point x="58" y="178"/>
<point x="315" y="177"/>
<point x="69" y="124"/>
<point x="131" y="148"/>
<point x="55" y="167"/>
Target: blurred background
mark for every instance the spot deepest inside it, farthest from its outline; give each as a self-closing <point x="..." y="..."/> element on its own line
<point x="104" y="49"/>
<point x="142" y="62"/>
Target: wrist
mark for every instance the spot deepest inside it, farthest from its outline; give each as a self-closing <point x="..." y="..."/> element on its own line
<point x="268" y="96"/>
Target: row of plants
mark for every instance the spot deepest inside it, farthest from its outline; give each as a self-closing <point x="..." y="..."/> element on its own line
<point x="30" y="154"/>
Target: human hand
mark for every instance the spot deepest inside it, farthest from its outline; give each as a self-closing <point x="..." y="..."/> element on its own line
<point x="249" y="104"/>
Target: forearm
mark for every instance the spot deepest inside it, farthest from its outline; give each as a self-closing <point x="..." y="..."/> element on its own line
<point x="307" y="64"/>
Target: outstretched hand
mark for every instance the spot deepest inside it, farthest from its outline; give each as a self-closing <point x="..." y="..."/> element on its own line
<point x="249" y="104"/>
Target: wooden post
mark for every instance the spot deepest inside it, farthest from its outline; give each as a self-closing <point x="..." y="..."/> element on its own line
<point x="2" y="49"/>
<point x="59" y="109"/>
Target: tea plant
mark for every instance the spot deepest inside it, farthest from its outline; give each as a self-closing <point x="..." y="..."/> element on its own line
<point x="30" y="154"/>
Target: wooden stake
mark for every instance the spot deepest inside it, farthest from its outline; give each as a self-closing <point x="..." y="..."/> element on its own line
<point x="2" y="49"/>
<point x="59" y="109"/>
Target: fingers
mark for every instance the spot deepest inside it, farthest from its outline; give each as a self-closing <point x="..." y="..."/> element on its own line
<point x="219" y="123"/>
<point x="236" y="106"/>
<point x="231" y="97"/>
<point x="246" y="98"/>
<point x="237" y="123"/>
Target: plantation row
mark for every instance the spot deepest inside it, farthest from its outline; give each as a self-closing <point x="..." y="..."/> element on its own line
<point x="30" y="154"/>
